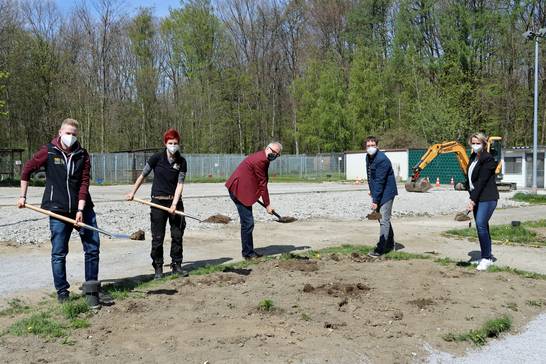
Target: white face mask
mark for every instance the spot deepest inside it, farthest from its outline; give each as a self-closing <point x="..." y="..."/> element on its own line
<point x="477" y="148"/>
<point x="173" y="148"/>
<point x="371" y="150"/>
<point x="68" y="140"/>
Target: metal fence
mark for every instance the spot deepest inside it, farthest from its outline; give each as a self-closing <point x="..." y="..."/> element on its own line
<point x="123" y="168"/>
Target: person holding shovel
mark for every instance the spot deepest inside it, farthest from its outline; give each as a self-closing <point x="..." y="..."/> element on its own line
<point x="246" y="185"/>
<point x="482" y="186"/>
<point x="66" y="193"/>
<point x="169" y="169"/>
<point x="383" y="189"/>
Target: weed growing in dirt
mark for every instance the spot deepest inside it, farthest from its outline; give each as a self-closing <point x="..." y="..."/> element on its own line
<point x="519" y="272"/>
<point x="444" y="261"/>
<point x="305" y="317"/>
<point x="16" y="306"/>
<point x="536" y="303"/>
<point x="79" y="323"/>
<point x="266" y="305"/>
<point x="41" y="324"/>
<point x="73" y="308"/>
<point x="530" y="198"/>
<point x="397" y="255"/>
<point x="343" y="249"/>
<point x="490" y="329"/>
<point x="508" y="234"/>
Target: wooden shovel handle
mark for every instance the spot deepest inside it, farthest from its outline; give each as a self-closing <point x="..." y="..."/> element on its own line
<point x="164" y="208"/>
<point x="52" y="214"/>
<point x="157" y="206"/>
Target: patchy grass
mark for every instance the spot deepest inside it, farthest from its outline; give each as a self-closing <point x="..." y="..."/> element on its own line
<point x="490" y="329"/>
<point x="519" y="272"/>
<point x="530" y="198"/>
<point x="73" y="308"/>
<point x="536" y="303"/>
<point x="79" y="323"/>
<point x="41" y="324"/>
<point x="16" y="306"/>
<point x="305" y="317"/>
<point x="266" y="305"/>
<point x="508" y="234"/>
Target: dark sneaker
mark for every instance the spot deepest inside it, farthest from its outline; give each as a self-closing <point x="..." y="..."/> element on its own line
<point x="63" y="297"/>
<point x="177" y="269"/>
<point x="374" y="254"/>
<point x="158" y="272"/>
<point x="253" y="256"/>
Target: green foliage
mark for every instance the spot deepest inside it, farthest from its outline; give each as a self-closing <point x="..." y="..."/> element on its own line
<point x="40" y="324"/>
<point x="266" y="305"/>
<point x="321" y="98"/>
<point x="530" y="198"/>
<point x="490" y="329"/>
<point x="508" y="234"/>
<point x="15" y="307"/>
<point x="3" y="75"/>
<point x="73" y="308"/>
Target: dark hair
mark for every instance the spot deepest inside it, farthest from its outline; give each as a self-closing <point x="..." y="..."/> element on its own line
<point x="370" y="139"/>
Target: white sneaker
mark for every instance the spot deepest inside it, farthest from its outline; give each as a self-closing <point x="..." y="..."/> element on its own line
<point x="484" y="264"/>
<point x="475" y="262"/>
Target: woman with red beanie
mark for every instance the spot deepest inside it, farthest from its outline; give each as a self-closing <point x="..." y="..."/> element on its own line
<point x="169" y="169"/>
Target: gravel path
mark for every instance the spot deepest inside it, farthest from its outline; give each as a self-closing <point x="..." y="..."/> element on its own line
<point x="303" y="201"/>
<point x="526" y="347"/>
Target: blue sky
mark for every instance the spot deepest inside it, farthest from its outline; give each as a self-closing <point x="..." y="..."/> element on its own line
<point x="161" y="7"/>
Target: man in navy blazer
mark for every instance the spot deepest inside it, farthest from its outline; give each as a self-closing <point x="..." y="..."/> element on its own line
<point x="382" y="191"/>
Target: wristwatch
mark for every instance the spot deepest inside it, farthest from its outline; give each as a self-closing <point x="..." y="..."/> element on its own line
<point x="80" y="210"/>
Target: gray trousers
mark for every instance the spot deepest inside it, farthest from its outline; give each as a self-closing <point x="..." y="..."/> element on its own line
<point x="386" y="234"/>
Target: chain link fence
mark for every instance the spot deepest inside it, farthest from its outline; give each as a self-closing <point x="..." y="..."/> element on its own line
<point x="124" y="168"/>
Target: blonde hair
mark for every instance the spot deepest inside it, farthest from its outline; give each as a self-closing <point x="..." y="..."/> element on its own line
<point x="480" y="136"/>
<point x="70" y="122"/>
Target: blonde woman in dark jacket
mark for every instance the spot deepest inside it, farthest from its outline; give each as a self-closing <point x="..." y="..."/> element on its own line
<point x="481" y="182"/>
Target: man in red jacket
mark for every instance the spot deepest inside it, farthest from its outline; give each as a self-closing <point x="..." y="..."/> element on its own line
<point x="66" y="193"/>
<point x="246" y="185"/>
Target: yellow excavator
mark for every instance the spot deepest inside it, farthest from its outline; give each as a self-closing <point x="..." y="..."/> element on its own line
<point x="418" y="184"/>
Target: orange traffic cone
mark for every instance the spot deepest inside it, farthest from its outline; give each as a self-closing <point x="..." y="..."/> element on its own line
<point x="437" y="181"/>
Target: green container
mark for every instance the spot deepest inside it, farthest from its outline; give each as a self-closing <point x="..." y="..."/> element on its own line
<point x="444" y="166"/>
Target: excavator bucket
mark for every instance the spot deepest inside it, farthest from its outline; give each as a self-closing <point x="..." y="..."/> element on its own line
<point x="420" y="185"/>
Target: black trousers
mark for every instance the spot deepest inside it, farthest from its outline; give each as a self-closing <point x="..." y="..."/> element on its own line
<point x="159" y="222"/>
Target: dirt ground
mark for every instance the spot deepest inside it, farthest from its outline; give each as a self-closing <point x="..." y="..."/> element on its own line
<point x="339" y="309"/>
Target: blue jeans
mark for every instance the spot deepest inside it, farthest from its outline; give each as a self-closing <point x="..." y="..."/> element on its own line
<point x="247" y="226"/>
<point x="482" y="213"/>
<point x="60" y="235"/>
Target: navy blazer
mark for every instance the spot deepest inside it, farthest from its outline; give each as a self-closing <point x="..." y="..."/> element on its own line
<point x="381" y="178"/>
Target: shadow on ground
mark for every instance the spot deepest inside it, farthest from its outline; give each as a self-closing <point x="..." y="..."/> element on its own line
<point x="130" y="283"/>
<point x="279" y="249"/>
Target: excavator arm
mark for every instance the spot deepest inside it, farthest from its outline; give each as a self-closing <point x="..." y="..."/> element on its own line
<point x="417" y="185"/>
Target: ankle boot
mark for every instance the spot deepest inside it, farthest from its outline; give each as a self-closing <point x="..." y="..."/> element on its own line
<point x="158" y="272"/>
<point x="177" y="269"/>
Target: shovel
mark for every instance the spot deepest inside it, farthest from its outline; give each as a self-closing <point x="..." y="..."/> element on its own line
<point x="283" y="219"/>
<point x="165" y="208"/>
<point x="77" y="224"/>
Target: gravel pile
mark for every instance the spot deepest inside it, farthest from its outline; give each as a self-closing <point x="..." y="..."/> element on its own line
<point x="22" y="226"/>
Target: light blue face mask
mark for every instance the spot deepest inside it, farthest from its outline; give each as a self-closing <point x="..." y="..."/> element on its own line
<point x="477" y="147"/>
